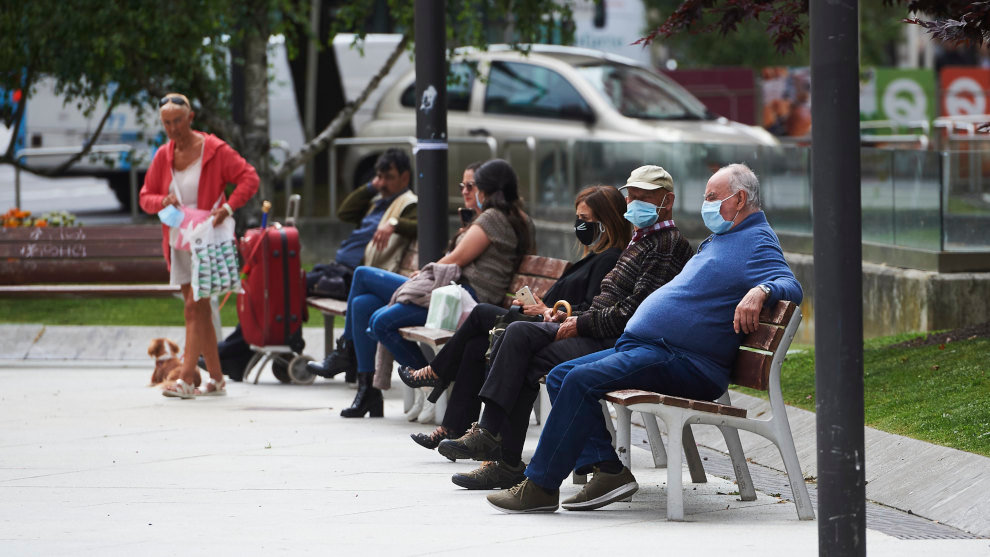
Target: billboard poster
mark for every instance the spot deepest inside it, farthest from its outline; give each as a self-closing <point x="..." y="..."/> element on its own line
<point x="787" y="101"/>
<point x="898" y="95"/>
<point x="964" y="91"/>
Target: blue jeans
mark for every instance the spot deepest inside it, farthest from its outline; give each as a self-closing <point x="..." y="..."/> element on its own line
<point x="370" y="319"/>
<point x="574" y="434"/>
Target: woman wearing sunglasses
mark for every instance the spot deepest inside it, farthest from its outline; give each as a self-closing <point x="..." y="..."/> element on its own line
<point x="192" y="170"/>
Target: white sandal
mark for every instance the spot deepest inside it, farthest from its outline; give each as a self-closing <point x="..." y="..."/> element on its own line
<point x="219" y="388"/>
<point x="180" y="389"/>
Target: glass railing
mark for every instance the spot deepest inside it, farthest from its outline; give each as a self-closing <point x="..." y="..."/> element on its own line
<point x="928" y="200"/>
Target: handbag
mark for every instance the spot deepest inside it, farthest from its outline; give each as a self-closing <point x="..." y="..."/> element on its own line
<point x="214" y="259"/>
<point x="502" y="321"/>
<point x="449" y="307"/>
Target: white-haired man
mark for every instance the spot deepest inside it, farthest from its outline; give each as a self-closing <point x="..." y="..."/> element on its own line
<point x="681" y="341"/>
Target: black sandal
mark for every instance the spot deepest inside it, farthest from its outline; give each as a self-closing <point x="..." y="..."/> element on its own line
<point x="432" y="440"/>
<point x="407" y="374"/>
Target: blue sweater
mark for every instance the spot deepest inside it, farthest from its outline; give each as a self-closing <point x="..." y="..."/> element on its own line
<point x="693" y="312"/>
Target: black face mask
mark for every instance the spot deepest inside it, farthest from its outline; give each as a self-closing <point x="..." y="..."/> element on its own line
<point x="587" y="232"/>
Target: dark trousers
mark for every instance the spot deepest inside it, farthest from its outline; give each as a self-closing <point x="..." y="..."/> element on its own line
<point x="525" y="353"/>
<point x="462" y="361"/>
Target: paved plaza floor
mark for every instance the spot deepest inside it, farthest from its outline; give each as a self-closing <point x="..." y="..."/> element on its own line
<point x="93" y="462"/>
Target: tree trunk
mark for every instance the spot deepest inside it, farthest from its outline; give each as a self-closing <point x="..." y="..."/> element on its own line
<point x="256" y="133"/>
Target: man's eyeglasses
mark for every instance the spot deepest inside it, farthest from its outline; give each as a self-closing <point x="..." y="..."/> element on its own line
<point x="468" y="186"/>
<point x="174" y="100"/>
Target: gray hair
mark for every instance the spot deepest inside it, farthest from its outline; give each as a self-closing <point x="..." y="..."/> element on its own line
<point x="741" y="177"/>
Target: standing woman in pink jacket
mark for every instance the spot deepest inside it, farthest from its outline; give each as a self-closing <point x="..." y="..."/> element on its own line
<point x="193" y="169"/>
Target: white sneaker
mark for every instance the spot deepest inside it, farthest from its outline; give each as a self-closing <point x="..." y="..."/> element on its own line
<point x="429" y="413"/>
<point x="419" y="397"/>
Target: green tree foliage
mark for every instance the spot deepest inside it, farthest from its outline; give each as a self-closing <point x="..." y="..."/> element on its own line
<point x="135" y="51"/>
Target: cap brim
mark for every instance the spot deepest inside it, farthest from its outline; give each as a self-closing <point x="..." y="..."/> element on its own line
<point x="645" y="186"/>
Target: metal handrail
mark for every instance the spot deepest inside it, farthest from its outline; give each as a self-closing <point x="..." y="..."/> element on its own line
<point x="56" y="151"/>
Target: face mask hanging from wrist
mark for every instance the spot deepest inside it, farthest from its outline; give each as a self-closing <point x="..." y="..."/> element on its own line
<point x="587" y="232"/>
<point x="711" y="213"/>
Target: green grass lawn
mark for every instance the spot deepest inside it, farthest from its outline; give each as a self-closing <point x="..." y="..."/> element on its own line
<point x="939" y="394"/>
<point x="117" y="311"/>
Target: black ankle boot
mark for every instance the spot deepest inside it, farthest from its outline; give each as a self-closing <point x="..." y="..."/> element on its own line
<point x="340" y="360"/>
<point x="367" y="401"/>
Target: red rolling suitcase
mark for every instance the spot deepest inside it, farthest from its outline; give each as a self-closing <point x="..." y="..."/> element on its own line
<point x="272" y="303"/>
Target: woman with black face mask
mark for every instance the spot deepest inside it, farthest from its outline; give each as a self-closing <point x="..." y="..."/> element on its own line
<point x="603" y="234"/>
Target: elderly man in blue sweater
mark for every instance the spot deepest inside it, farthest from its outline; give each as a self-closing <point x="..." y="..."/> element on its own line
<point x="681" y="341"/>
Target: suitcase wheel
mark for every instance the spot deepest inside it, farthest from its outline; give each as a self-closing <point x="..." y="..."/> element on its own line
<point x="298" y="372"/>
<point x="280" y="367"/>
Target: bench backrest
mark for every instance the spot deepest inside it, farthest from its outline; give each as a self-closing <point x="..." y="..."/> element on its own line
<point x="82" y="254"/>
<point x="752" y="367"/>
<point x="410" y="260"/>
<point x="539" y="273"/>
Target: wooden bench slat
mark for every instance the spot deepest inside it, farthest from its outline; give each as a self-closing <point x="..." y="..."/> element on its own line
<point x="433" y="337"/>
<point x="328" y="306"/>
<point x="105" y="249"/>
<point x="780" y="314"/>
<point x="88" y="290"/>
<point x="40" y="271"/>
<point x="752" y="370"/>
<point x="626" y="397"/>
<point x="766" y="337"/>
<point x="73" y="233"/>
<point x="542" y="266"/>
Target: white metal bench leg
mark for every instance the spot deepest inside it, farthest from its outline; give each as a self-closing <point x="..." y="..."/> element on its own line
<point x="623" y="434"/>
<point x="543" y="404"/>
<point x="692" y="457"/>
<point x="675" y="495"/>
<point x="785" y="444"/>
<point x="608" y="421"/>
<point x="747" y="492"/>
<point x="656" y="442"/>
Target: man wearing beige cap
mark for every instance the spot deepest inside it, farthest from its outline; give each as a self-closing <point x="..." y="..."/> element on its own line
<point x="528" y="350"/>
<point x="682" y="341"/>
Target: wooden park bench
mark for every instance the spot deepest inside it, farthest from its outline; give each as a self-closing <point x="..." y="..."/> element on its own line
<point x="539" y="273"/>
<point x="758" y="367"/>
<point x="83" y="261"/>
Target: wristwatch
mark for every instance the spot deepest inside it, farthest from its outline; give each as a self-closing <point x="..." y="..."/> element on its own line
<point x="764" y="288"/>
<point x="393" y="222"/>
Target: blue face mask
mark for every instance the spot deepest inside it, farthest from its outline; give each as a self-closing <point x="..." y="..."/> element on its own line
<point x="641" y="214"/>
<point x="711" y="212"/>
<point x="171" y="216"/>
<point x="477" y="201"/>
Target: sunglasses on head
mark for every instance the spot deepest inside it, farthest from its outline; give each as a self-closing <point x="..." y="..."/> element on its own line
<point x="174" y="100"/>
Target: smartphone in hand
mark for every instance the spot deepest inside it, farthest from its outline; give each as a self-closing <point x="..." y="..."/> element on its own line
<point x="467" y="215"/>
<point x="525" y="295"/>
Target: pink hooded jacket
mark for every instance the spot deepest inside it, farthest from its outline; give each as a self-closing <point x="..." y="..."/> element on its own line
<point x="221" y="166"/>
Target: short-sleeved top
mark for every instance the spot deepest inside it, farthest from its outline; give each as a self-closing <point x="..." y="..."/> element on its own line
<point x="490" y="274"/>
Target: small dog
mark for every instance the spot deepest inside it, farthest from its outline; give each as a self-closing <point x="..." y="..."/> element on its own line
<point x="167" y="362"/>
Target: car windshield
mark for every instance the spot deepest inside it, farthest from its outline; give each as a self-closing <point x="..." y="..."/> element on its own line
<point x="638" y="93"/>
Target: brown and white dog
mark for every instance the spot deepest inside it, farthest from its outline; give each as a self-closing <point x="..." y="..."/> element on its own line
<point x="168" y="365"/>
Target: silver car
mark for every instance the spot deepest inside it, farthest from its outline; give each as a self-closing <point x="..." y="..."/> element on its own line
<point x="553" y="95"/>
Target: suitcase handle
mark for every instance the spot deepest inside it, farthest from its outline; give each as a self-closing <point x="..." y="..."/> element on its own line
<point x="292" y="209"/>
